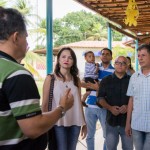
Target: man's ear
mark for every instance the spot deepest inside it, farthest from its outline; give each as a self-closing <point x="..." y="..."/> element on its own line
<point x="111" y="58"/>
<point x="15" y="37"/>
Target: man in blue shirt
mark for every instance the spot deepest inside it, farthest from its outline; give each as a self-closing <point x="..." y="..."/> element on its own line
<point x="93" y="113"/>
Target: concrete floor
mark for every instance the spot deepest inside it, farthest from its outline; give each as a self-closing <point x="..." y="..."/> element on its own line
<point x="81" y="145"/>
<point x="98" y="142"/>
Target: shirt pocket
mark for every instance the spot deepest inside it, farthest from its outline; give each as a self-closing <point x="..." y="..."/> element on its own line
<point x="136" y="90"/>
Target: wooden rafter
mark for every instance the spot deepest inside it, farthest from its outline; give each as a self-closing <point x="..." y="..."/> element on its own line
<point x="114" y="10"/>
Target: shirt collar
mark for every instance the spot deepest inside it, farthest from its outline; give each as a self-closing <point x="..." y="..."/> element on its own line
<point x="6" y="56"/>
<point x="140" y="73"/>
<point x="114" y="75"/>
<point x="109" y="67"/>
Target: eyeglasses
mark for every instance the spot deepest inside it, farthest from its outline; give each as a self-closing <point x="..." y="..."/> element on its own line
<point x="120" y="63"/>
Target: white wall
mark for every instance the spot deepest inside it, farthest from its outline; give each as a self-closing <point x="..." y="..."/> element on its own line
<point x="80" y="58"/>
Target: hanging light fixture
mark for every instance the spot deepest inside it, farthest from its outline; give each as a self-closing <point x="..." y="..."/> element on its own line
<point x="132" y="13"/>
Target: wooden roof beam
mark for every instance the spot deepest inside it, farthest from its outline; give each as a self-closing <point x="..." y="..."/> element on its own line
<point x="111" y="13"/>
<point x="122" y="31"/>
<point x="100" y="13"/>
<point x="145" y="11"/>
<point x="116" y="2"/>
<point x="137" y="27"/>
<point x="110" y="7"/>
<point x="99" y="6"/>
<point x="117" y="15"/>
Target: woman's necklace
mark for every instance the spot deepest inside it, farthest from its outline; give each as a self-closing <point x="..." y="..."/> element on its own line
<point x="66" y="86"/>
<point x="67" y="82"/>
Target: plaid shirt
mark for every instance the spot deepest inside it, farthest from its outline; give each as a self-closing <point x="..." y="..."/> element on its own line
<point x="113" y="90"/>
<point x="139" y="88"/>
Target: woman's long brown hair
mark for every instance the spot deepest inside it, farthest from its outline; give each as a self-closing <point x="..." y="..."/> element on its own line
<point x="73" y="70"/>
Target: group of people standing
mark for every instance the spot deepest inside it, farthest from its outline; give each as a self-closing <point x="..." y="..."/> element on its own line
<point x="118" y="106"/>
<point x="124" y="94"/>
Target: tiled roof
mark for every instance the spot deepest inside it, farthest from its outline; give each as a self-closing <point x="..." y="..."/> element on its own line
<point x="93" y="44"/>
<point x="83" y="44"/>
<point x="136" y="25"/>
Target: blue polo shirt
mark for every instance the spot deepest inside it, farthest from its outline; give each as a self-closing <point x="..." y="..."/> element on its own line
<point x="104" y="71"/>
<point x="92" y="98"/>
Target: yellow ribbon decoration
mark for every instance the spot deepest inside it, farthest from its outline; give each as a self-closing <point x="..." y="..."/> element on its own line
<point x="132" y="13"/>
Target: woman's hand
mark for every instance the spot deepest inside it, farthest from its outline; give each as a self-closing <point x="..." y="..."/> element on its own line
<point x="83" y="131"/>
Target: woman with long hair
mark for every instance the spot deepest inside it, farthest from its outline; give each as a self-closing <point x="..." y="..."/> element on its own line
<point x="67" y="129"/>
<point x="130" y="69"/>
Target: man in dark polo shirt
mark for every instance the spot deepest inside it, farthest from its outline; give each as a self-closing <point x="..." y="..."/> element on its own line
<point x="22" y="124"/>
<point x="112" y="96"/>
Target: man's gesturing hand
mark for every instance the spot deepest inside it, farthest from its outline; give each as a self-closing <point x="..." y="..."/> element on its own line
<point x="67" y="100"/>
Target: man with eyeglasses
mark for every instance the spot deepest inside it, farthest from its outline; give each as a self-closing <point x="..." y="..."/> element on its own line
<point x="112" y="96"/>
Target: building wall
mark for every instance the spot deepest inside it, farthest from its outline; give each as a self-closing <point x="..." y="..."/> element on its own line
<point x="80" y="58"/>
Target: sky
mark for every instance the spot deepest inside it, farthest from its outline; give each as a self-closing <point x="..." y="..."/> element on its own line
<point x="60" y="7"/>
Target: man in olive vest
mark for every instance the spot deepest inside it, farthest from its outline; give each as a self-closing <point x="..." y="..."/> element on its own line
<point x="22" y="124"/>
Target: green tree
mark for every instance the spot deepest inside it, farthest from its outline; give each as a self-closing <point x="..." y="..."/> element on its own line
<point x="99" y="33"/>
<point x="40" y="33"/>
<point x="29" y="61"/>
<point x="126" y="51"/>
<point x="25" y="7"/>
<point x="76" y="26"/>
<point x="3" y="3"/>
<point x="117" y="36"/>
<point x="81" y="25"/>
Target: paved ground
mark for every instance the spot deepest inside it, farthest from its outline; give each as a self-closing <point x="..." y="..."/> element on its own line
<point x="98" y="142"/>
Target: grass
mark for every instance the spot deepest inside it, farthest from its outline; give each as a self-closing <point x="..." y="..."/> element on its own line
<point x="39" y="84"/>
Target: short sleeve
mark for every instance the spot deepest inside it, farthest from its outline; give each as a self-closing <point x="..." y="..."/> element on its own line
<point x="22" y="95"/>
<point x="130" y="87"/>
<point x="102" y="89"/>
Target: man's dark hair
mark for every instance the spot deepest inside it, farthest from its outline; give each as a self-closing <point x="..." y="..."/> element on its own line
<point x="10" y="21"/>
<point x="88" y="53"/>
<point x="144" y="46"/>
<point x="107" y="50"/>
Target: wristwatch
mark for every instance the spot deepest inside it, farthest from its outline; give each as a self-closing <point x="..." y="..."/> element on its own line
<point x="63" y="112"/>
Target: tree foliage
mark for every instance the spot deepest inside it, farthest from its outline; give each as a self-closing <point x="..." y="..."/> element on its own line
<point x="40" y="33"/>
<point x="126" y="51"/>
<point x="29" y="61"/>
<point x="3" y="3"/>
<point x="81" y="25"/>
<point x="73" y="27"/>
